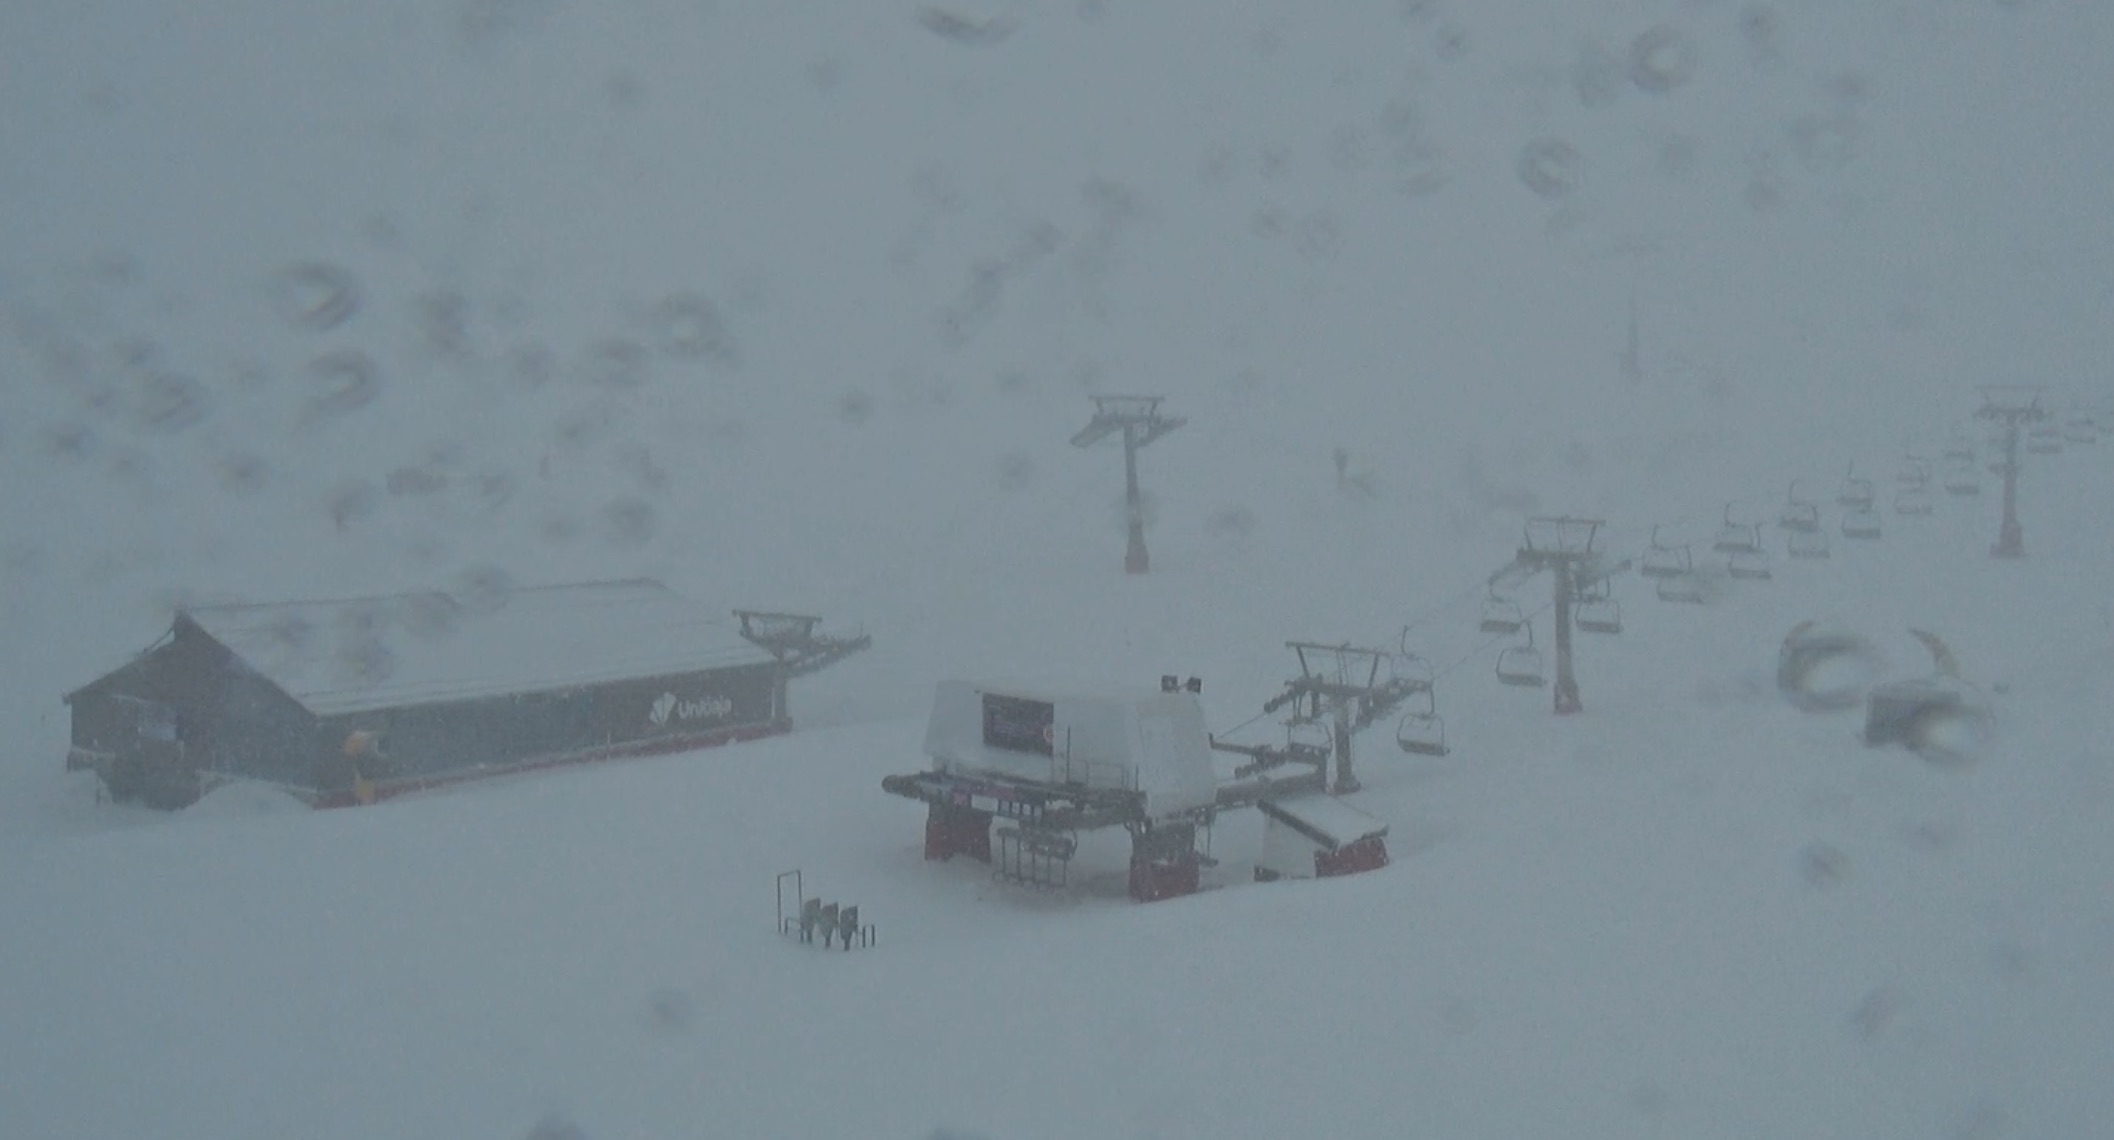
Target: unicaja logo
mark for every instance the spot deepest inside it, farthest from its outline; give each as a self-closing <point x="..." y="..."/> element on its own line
<point x="668" y="708"/>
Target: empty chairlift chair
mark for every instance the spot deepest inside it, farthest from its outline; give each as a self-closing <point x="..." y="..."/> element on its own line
<point x="1501" y="615"/>
<point x="1860" y="523"/>
<point x="1597" y="613"/>
<point x="1808" y="544"/>
<point x="1913" y="501"/>
<point x="1801" y="513"/>
<point x="2080" y="427"/>
<point x="1662" y="561"/>
<point x="1961" y="479"/>
<point x="1684" y="588"/>
<point x="1421" y="732"/>
<point x="1735" y="537"/>
<point x="1752" y="565"/>
<point x="1521" y="665"/>
<point x="1856" y="494"/>
<point x="2044" y="439"/>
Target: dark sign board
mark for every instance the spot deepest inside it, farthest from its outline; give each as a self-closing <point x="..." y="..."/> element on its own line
<point x="1017" y="724"/>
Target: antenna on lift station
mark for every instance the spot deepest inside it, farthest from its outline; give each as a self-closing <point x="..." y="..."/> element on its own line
<point x="1139" y="421"/>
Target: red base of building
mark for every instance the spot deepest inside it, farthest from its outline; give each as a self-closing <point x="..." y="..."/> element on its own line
<point x="1153" y="880"/>
<point x="951" y="831"/>
<point x="1364" y="855"/>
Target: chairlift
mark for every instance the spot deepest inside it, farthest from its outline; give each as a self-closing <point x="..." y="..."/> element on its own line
<point x="2080" y="427"/>
<point x="1960" y="450"/>
<point x="1598" y="615"/>
<point x="1914" y="473"/>
<point x="1662" y="561"/>
<point x="1736" y="536"/>
<point x="1309" y="738"/>
<point x="1413" y="672"/>
<point x="1423" y="733"/>
<point x="1913" y="501"/>
<point x="1808" y="544"/>
<point x="1501" y="615"/>
<point x="1800" y="515"/>
<point x="1963" y="481"/>
<point x="1856" y="494"/>
<point x="1752" y="565"/>
<point x="1521" y="665"/>
<point x="1687" y="588"/>
<point x="2044" y="439"/>
<point x="1861" y="523"/>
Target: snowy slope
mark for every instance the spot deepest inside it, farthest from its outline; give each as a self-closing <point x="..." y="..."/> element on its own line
<point x="796" y="306"/>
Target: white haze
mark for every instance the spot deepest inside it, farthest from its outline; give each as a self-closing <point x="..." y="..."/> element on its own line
<point x="1691" y="911"/>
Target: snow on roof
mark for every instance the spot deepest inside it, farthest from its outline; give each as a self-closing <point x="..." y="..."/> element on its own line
<point x="357" y="654"/>
<point x="1324" y="819"/>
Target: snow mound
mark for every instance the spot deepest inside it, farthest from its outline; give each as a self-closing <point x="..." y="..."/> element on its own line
<point x="245" y="799"/>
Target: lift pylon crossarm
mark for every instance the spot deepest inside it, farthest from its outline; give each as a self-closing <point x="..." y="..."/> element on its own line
<point x="1116" y="414"/>
<point x="1547" y="540"/>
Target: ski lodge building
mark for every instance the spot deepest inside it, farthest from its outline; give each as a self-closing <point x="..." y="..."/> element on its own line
<point x="353" y="700"/>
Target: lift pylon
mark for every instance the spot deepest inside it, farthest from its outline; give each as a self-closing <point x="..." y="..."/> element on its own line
<point x="2007" y="408"/>
<point x="1140" y="422"/>
<point x="1349" y="687"/>
<point x="1564" y="546"/>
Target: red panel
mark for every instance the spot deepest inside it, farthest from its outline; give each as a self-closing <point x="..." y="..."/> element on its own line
<point x="951" y="831"/>
<point x="1151" y="881"/>
<point x="1351" y="858"/>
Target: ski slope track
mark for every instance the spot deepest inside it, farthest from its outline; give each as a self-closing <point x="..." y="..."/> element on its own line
<point x="795" y="307"/>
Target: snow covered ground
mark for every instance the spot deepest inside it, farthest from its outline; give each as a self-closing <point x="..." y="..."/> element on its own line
<point x="795" y="306"/>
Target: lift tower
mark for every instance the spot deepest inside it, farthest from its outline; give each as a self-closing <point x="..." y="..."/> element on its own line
<point x="2008" y="406"/>
<point x="1563" y="546"/>
<point x="1140" y="421"/>
<point x="1351" y="686"/>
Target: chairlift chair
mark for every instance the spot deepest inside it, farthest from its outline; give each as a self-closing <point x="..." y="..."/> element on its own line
<point x="1521" y="665"/>
<point x="1960" y="450"/>
<point x="1862" y="523"/>
<point x="1808" y="544"/>
<point x="1413" y="672"/>
<point x="2045" y="439"/>
<point x="1501" y="615"/>
<point x="1800" y="516"/>
<point x="1422" y="733"/>
<point x="1963" y="481"/>
<point x="1736" y="536"/>
<point x="2080" y="427"/>
<point x="1752" y="565"/>
<point x="1686" y="588"/>
<point x="1856" y="494"/>
<point x="1598" y="615"/>
<point x="1662" y="561"/>
<point x="1913" y="501"/>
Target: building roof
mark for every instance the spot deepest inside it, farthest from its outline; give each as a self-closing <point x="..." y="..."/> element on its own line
<point x="356" y="654"/>
<point x="1324" y="819"/>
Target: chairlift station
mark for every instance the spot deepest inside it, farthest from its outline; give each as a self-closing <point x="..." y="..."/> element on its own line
<point x="1044" y="764"/>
